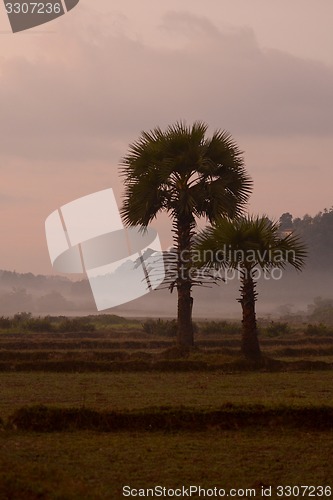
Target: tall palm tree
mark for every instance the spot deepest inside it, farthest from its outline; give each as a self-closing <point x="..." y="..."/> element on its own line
<point x="249" y="245"/>
<point x="188" y="175"/>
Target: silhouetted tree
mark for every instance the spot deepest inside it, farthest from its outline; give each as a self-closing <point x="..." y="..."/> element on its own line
<point x="248" y="244"/>
<point x="184" y="173"/>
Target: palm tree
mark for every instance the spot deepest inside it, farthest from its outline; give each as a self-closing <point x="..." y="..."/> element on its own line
<point x="250" y="245"/>
<point x="188" y="175"/>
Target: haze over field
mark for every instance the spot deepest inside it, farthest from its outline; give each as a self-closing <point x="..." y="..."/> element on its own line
<point x="76" y="92"/>
<point x="58" y="295"/>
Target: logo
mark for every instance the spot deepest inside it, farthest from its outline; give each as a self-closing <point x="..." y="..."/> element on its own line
<point x="24" y="15"/>
<point x="87" y="236"/>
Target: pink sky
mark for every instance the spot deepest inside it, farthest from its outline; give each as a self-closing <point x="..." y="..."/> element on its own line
<point x="76" y="92"/>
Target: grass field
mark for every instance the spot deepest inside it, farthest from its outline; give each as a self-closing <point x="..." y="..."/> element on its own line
<point x="85" y="465"/>
<point x="125" y="369"/>
<point x="121" y="391"/>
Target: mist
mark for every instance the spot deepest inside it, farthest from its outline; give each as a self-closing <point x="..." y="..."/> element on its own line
<point x="292" y="293"/>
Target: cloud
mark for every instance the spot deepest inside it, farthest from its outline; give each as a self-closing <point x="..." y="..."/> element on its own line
<point x="87" y="93"/>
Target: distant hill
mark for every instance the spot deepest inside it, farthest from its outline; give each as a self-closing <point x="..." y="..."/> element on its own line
<point x="42" y="294"/>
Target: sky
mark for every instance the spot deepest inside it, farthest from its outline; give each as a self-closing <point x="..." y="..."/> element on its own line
<point x="76" y="92"/>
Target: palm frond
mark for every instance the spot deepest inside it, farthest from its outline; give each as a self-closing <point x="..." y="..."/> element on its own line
<point x="248" y="242"/>
<point x="182" y="171"/>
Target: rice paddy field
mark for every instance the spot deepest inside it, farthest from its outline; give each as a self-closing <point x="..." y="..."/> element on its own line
<point x="112" y="411"/>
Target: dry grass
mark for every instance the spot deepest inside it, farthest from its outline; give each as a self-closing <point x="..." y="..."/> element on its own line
<point x="95" y="466"/>
<point x="119" y="391"/>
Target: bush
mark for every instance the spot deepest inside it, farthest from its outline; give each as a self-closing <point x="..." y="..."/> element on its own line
<point x="160" y="327"/>
<point x="223" y="327"/>
<point x="26" y="322"/>
<point x="320" y="329"/>
<point x="274" y="329"/>
<point x="163" y="328"/>
<point x="38" y="325"/>
<point x="109" y="320"/>
<point x="5" y="323"/>
<point x="75" y="325"/>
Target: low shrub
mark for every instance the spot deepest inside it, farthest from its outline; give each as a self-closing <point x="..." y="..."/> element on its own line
<point x="5" y="323"/>
<point x="38" y="325"/>
<point x="109" y="320"/>
<point x="276" y="328"/>
<point x="223" y="327"/>
<point x="26" y="322"/>
<point x="317" y="330"/>
<point x="75" y="325"/>
<point x="160" y="327"/>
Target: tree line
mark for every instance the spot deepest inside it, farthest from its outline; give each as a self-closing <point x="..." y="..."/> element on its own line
<point x="317" y="234"/>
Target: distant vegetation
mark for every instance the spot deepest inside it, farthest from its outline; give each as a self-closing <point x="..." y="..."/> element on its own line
<point x="317" y="234"/>
<point x="25" y="322"/>
<point x="317" y="321"/>
<point x="168" y="328"/>
<point x="160" y="327"/>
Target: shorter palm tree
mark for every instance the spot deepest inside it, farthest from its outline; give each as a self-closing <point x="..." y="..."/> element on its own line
<point x="249" y="244"/>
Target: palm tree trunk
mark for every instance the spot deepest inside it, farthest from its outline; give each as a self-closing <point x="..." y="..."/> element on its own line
<point x="250" y="344"/>
<point x="184" y="283"/>
<point x="184" y="319"/>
